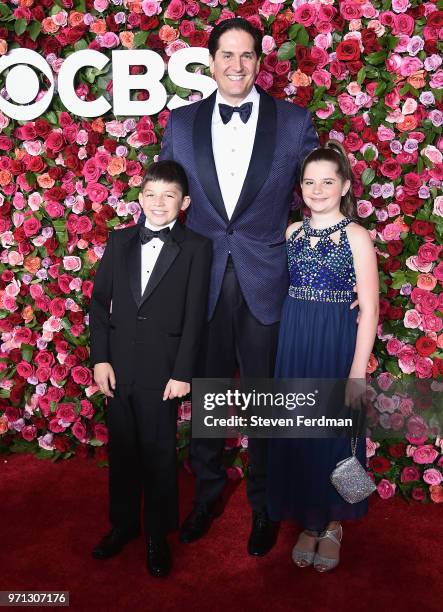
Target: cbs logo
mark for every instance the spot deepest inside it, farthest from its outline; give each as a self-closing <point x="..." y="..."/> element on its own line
<point x="26" y="102"/>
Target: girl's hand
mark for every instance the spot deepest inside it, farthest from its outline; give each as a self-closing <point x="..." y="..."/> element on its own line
<point x="355" y="393"/>
<point x="176" y="388"/>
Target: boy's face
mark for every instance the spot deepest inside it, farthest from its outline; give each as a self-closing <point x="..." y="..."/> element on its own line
<point x="162" y="201"/>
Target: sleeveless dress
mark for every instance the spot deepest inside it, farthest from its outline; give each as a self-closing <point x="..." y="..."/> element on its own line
<point x="317" y="340"/>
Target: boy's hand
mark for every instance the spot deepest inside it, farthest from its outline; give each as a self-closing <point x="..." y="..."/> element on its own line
<point x="176" y="388"/>
<point x="105" y="378"/>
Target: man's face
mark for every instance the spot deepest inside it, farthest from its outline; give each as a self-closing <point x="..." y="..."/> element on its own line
<point x="235" y="65"/>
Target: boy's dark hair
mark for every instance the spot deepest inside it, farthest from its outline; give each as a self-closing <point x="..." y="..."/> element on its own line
<point x="167" y="171"/>
<point x="237" y="23"/>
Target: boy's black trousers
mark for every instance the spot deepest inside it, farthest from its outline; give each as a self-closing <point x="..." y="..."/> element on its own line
<point x="142" y="460"/>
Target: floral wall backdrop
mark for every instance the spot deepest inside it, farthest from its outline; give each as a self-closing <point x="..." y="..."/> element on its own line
<point x="370" y="72"/>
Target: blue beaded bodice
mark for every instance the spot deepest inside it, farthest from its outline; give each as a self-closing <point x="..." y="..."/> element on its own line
<point x="324" y="272"/>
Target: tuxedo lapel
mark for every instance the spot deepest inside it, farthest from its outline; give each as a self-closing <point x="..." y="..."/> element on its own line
<point x="262" y="153"/>
<point x="133" y="264"/>
<point x="169" y="252"/>
<point x="204" y="156"/>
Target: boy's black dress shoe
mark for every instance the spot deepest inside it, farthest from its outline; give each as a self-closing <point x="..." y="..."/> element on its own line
<point x="113" y="542"/>
<point x="263" y="534"/>
<point x="158" y="557"/>
<point x="197" y="524"/>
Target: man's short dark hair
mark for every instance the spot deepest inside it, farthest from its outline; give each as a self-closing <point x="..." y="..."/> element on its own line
<point x="167" y="171"/>
<point x="237" y="23"/>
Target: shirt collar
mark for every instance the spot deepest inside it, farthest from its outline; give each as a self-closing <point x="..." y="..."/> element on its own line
<point x="156" y="228"/>
<point x="253" y="96"/>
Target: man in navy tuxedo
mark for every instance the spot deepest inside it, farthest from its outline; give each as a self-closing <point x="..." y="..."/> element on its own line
<point x="242" y="151"/>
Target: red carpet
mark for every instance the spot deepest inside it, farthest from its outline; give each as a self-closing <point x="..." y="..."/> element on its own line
<point x="52" y="515"/>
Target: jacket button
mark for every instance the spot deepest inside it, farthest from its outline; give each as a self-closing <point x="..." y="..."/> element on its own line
<point x="142" y="318"/>
<point x="230" y="232"/>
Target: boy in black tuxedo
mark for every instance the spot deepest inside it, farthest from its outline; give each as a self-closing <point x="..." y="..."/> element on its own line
<point x="148" y="309"/>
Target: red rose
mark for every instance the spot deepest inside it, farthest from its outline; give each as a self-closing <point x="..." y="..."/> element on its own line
<point x="25" y="369"/>
<point x="55" y="142"/>
<point x="31" y="226"/>
<point x="57" y="307"/>
<point x="42" y="127"/>
<point x="79" y="431"/>
<point x="397" y="450"/>
<point x="390" y="168"/>
<point x="348" y="50"/>
<point x="198" y="38"/>
<point x="87" y="409"/>
<point x="411" y="183"/>
<point x="29" y="432"/>
<point x="379" y="464"/>
<point x="422" y="228"/>
<point x="425" y="346"/>
<point x="395" y="313"/>
<point x="395" y="247"/>
<point x="43" y="374"/>
<point x="435" y="19"/>
<point x="61" y="443"/>
<point x="59" y="372"/>
<point x="66" y="413"/>
<point x="101" y="432"/>
<point x="81" y="375"/>
<point x="353" y="142"/>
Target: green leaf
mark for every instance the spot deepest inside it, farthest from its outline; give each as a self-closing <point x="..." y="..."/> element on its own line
<point x="299" y="34"/>
<point x="399" y="279"/>
<point x="369" y="154"/>
<point x="34" y="30"/>
<point x="27" y="352"/>
<point x="5" y="12"/>
<point x="132" y="194"/>
<point x="140" y="38"/>
<point x="286" y="51"/>
<point x="361" y="75"/>
<point x="368" y="176"/>
<point x="377" y="58"/>
<point x="392" y="367"/>
<point x="20" y="26"/>
<point x="81" y="44"/>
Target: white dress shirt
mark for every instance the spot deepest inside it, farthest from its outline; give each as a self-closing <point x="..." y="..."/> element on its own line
<point x="150" y="252"/>
<point x="232" y="147"/>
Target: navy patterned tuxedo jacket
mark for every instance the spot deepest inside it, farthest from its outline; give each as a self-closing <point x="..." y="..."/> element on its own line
<point x="255" y="234"/>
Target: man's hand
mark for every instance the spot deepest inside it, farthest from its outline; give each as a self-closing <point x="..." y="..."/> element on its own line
<point x="176" y="388"/>
<point x="105" y="378"/>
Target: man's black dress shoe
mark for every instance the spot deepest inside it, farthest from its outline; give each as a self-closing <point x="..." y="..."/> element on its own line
<point x="263" y="534"/>
<point x="158" y="557"/>
<point x="195" y="526"/>
<point x="113" y="542"/>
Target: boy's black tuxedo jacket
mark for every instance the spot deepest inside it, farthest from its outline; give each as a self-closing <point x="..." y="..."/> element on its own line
<point x="151" y="338"/>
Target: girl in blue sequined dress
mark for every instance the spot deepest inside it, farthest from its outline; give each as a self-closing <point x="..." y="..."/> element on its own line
<point x="328" y="254"/>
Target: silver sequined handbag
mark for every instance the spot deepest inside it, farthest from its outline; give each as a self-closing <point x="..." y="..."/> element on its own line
<point x="351" y="479"/>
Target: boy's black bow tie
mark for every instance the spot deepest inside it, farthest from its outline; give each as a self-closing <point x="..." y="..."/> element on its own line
<point x="147" y="234"/>
<point x="244" y="111"/>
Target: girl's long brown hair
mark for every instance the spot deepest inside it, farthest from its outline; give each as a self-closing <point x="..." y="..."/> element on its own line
<point x="334" y="152"/>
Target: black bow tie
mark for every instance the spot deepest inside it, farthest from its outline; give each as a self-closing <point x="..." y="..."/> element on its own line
<point x="147" y="234"/>
<point x="244" y="111"/>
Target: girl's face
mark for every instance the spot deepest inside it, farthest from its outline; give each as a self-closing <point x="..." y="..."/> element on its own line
<point x="322" y="187"/>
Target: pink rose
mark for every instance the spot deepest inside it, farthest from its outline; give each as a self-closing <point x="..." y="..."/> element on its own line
<point x="391" y="231"/>
<point x="429" y="252"/>
<point x="322" y="78"/>
<point x="384" y="133"/>
<point x="59" y="372"/>
<point x="97" y="192"/>
<point x="438" y="206"/>
<point x="409" y="474"/>
<point x="409" y="65"/>
<point x="432" y="476"/>
<point x="385" y="380"/>
<point x="432" y="323"/>
<point x="87" y="409"/>
<point x="25" y="369"/>
<point x="151" y="7"/>
<point x="306" y="14"/>
<point x="403" y="24"/>
<point x="400" y="6"/>
<point x="393" y="346"/>
<point x="268" y="44"/>
<point x="72" y="263"/>
<point x="55" y="209"/>
<point x="31" y="226"/>
<point x="91" y="170"/>
<point x="423" y="367"/>
<point x="425" y="454"/>
<point x="386" y="489"/>
<point x="176" y="10"/>
<point x="412" y="319"/>
<point x="347" y="104"/>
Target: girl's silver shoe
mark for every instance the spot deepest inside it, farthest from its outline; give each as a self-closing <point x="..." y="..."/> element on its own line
<point x="324" y="564"/>
<point x="304" y="558"/>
